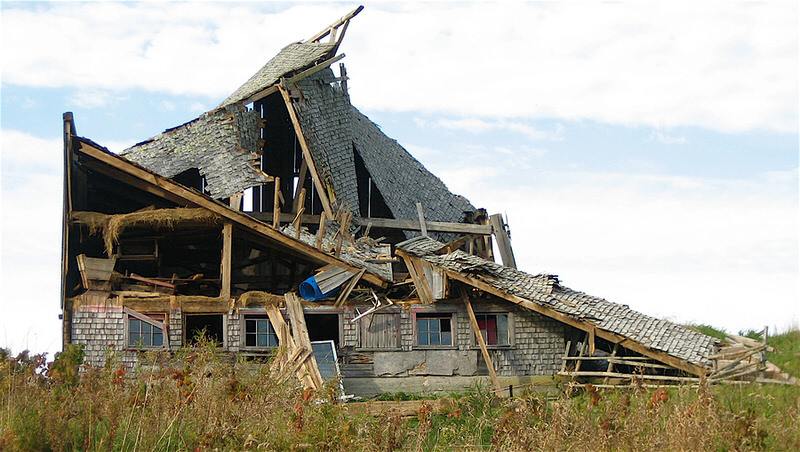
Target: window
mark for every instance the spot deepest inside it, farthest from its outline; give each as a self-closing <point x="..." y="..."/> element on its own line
<point x="258" y="332"/>
<point x="380" y="330"/>
<point x="494" y="328"/>
<point x="144" y="331"/>
<point x="434" y="329"/>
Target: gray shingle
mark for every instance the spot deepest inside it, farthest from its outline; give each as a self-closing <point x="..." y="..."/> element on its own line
<point x="221" y="144"/>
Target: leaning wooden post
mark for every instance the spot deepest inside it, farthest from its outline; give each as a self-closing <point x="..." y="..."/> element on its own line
<point x="488" y="359"/>
<point x="321" y="231"/>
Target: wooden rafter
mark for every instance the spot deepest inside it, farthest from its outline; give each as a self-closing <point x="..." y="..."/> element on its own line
<point x="332" y="29"/>
<point x="142" y="178"/>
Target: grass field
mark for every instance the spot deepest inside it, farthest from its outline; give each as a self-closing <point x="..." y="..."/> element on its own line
<point x="192" y="401"/>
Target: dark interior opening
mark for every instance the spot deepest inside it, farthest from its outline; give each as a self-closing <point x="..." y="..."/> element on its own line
<point x="209" y="325"/>
<point x="323" y="327"/>
<point x="191" y="178"/>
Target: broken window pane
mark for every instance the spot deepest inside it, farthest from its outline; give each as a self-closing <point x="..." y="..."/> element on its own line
<point x="434" y="329"/>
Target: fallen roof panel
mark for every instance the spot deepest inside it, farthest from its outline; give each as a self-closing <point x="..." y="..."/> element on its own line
<point x="675" y="340"/>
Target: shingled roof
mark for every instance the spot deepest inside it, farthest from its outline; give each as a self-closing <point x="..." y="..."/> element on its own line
<point x="675" y="340"/>
<point x="335" y="130"/>
<point x="221" y="144"/>
<point x="291" y="58"/>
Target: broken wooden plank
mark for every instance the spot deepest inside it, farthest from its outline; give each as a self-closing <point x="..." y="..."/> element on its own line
<point x="342" y="298"/>
<point x="300" y="336"/>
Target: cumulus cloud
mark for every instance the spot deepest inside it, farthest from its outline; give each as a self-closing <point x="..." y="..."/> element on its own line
<point x="31" y="242"/>
<point x="674" y="246"/>
<point x="723" y="66"/>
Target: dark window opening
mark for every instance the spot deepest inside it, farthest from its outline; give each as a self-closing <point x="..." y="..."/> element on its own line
<point x="323" y="327"/>
<point x="434" y="329"/>
<point x="208" y="327"/>
<point x="258" y="332"/>
<point x="370" y="200"/>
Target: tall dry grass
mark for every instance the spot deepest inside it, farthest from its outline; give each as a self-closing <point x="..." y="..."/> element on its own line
<point x="196" y="400"/>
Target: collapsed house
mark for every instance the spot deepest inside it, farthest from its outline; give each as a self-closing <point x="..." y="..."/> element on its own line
<point x="215" y="229"/>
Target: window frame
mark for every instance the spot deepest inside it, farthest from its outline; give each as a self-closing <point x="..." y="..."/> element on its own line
<point x="451" y="313"/>
<point x="243" y="317"/>
<point x="130" y="313"/>
<point x="509" y="330"/>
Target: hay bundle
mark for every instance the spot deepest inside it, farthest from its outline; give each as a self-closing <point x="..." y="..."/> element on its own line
<point x="113" y="225"/>
<point x="255" y="297"/>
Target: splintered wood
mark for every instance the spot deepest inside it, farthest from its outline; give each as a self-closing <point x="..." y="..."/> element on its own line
<point x="294" y="355"/>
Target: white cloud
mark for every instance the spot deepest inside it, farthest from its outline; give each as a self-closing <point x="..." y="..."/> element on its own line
<point x="479" y="126"/>
<point x="724" y="66"/>
<point x="695" y="249"/>
<point x="31" y="242"/>
<point x="93" y="98"/>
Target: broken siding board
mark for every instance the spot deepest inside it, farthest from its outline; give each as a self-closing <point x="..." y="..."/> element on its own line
<point x="195" y="199"/>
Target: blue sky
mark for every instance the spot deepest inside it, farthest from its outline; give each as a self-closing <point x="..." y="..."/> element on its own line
<point x="646" y="152"/>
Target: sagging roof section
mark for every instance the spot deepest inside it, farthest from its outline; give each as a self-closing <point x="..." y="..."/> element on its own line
<point x="293" y="57"/>
<point x="324" y="115"/>
<point x="335" y="130"/>
<point x="222" y="145"/>
<point x="675" y="340"/>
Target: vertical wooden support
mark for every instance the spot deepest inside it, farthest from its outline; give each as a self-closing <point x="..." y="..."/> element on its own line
<point x="503" y="241"/>
<point x="591" y="341"/>
<point x="321" y="190"/>
<point x="66" y="213"/>
<point x="298" y="220"/>
<point x="321" y="230"/>
<point x="276" y="204"/>
<point x="225" y="266"/>
<point x="422" y="226"/>
<point x="299" y="192"/>
<point x="610" y="367"/>
<point x="482" y="343"/>
<point x="566" y="356"/>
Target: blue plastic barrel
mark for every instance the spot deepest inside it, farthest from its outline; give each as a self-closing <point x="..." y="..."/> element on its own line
<point x="309" y="290"/>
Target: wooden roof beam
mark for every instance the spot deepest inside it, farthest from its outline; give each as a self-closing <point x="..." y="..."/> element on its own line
<point x="193" y="198"/>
